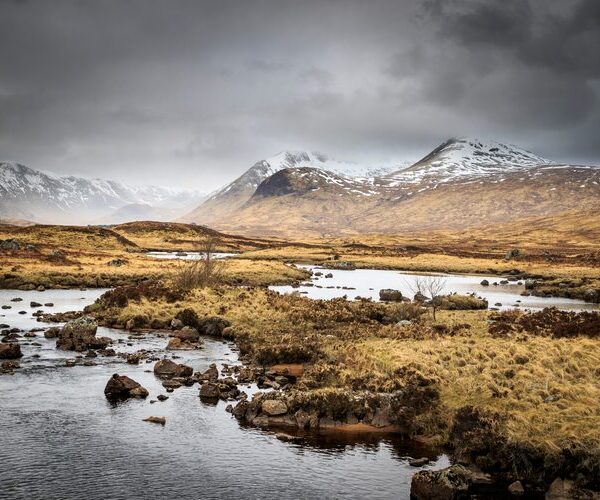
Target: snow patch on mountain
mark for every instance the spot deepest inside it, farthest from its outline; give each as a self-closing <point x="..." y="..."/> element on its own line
<point x="460" y="159"/>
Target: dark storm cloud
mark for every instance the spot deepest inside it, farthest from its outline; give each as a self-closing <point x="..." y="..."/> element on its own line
<point x="193" y="92"/>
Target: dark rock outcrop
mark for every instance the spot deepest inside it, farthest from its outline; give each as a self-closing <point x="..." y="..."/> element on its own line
<point x="10" y="351"/>
<point x="167" y="369"/>
<point x="122" y="387"/>
<point x="80" y="335"/>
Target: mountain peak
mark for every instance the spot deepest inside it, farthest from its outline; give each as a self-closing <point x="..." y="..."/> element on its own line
<point x="464" y="157"/>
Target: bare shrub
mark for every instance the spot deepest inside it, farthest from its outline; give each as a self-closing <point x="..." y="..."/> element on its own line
<point x="202" y="272"/>
<point x="430" y="288"/>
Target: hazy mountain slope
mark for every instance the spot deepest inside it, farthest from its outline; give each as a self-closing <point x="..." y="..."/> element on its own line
<point x="228" y="200"/>
<point x="29" y="194"/>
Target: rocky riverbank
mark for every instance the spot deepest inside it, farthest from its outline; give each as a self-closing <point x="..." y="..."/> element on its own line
<point x="350" y="380"/>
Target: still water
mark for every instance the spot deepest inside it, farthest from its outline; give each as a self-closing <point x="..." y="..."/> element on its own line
<point x="367" y="283"/>
<point x="187" y="255"/>
<point x="61" y="438"/>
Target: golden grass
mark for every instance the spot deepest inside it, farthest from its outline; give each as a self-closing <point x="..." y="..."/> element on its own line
<point x="548" y="388"/>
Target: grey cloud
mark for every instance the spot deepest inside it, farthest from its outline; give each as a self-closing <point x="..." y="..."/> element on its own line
<point x="187" y="91"/>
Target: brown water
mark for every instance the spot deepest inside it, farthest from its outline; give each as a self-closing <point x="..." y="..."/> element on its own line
<point x="60" y="437"/>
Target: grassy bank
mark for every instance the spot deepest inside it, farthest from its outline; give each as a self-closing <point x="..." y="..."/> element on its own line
<point x="532" y="390"/>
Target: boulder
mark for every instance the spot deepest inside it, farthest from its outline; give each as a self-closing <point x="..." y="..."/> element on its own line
<point x="176" y="324"/>
<point x="484" y="283"/>
<point x="274" y="407"/>
<point x="209" y="390"/>
<point x="213" y="326"/>
<point x="560" y="490"/>
<point x="188" y="334"/>
<point x="210" y="375"/>
<point x="156" y="420"/>
<point x="446" y="484"/>
<point x="176" y="344"/>
<point x="165" y="368"/>
<point x="10" y="351"/>
<point x="122" y="387"/>
<point x="390" y="295"/>
<point x="516" y="489"/>
<point x="80" y="335"/>
<point x="10" y="244"/>
<point x="419" y="297"/>
<point x="187" y="317"/>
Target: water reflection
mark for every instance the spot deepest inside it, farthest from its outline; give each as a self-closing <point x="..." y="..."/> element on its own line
<point x="61" y="438"/>
<point x="367" y="283"/>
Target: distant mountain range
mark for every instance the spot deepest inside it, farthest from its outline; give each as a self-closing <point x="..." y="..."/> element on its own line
<point x="28" y="194"/>
<point x="461" y="183"/>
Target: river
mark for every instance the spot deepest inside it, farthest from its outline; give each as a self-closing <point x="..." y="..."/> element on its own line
<point x="367" y="283"/>
<point x="61" y="438"/>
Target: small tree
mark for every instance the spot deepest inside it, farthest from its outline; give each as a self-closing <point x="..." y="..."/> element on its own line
<point x="430" y="287"/>
<point x="202" y="272"/>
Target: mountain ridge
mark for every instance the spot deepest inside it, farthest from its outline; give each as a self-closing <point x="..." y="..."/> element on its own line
<point x="26" y="193"/>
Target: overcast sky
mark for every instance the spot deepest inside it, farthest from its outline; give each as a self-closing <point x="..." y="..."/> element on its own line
<point x="192" y="93"/>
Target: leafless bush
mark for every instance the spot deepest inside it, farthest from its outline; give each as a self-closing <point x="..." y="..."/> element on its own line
<point x="202" y="272"/>
<point x="430" y="289"/>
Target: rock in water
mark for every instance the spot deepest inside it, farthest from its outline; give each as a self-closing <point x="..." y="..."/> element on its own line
<point x="156" y="420"/>
<point x="390" y="295"/>
<point x="274" y="407"/>
<point x="80" y="335"/>
<point x="123" y="387"/>
<point x="446" y="484"/>
<point x="10" y="351"/>
<point x="165" y="368"/>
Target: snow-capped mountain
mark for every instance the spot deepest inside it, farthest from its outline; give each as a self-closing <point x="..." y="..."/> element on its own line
<point x="458" y="159"/>
<point x="461" y="183"/>
<point x="235" y="194"/>
<point x="29" y="194"/>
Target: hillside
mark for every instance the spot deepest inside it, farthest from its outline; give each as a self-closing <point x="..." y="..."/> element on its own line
<point x="461" y="184"/>
<point x="234" y="195"/>
<point x="36" y="196"/>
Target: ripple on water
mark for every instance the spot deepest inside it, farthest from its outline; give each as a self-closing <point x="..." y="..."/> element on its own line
<point x="62" y="439"/>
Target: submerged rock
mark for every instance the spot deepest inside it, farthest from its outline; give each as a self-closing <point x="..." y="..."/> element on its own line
<point x="390" y="295"/>
<point x="123" y="387"/>
<point x="156" y="420"/>
<point x="80" y="335"/>
<point x="165" y="368"/>
<point x="10" y="351"/>
<point x="446" y="484"/>
<point x="274" y="407"/>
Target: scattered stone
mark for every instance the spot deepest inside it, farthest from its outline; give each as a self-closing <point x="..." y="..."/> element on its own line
<point x="484" y="283"/>
<point x="10" y="244"/>
<point x="390" y="295"/>
<point x="274" y="407"/>
<point x="49" y="304"/>
<point x="70" y="362"/>
<point x="446" y="484"/>
<point x="209" y="391"/>
<point x="165" y="368"/>
<point x="10" y="365"/>
<point x="41" y="288"/>
<point x="80" y="335"/>
<point x="418" y="462"/>
<point x="176" y="324"/>
<point x="116" y="262"/>
<point x="156" y="420"/>
<point x="6" y="307"/>
<point x="560" y="490"/>
<point x="34" y="304"/>
<point x="162" y="397"/>
<point x="123" y="387"/>
<point x="10" y="351"/>
<point x="16" y="299"/>
<point x="516" y="489"/>
<point x="210" y="375"/>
